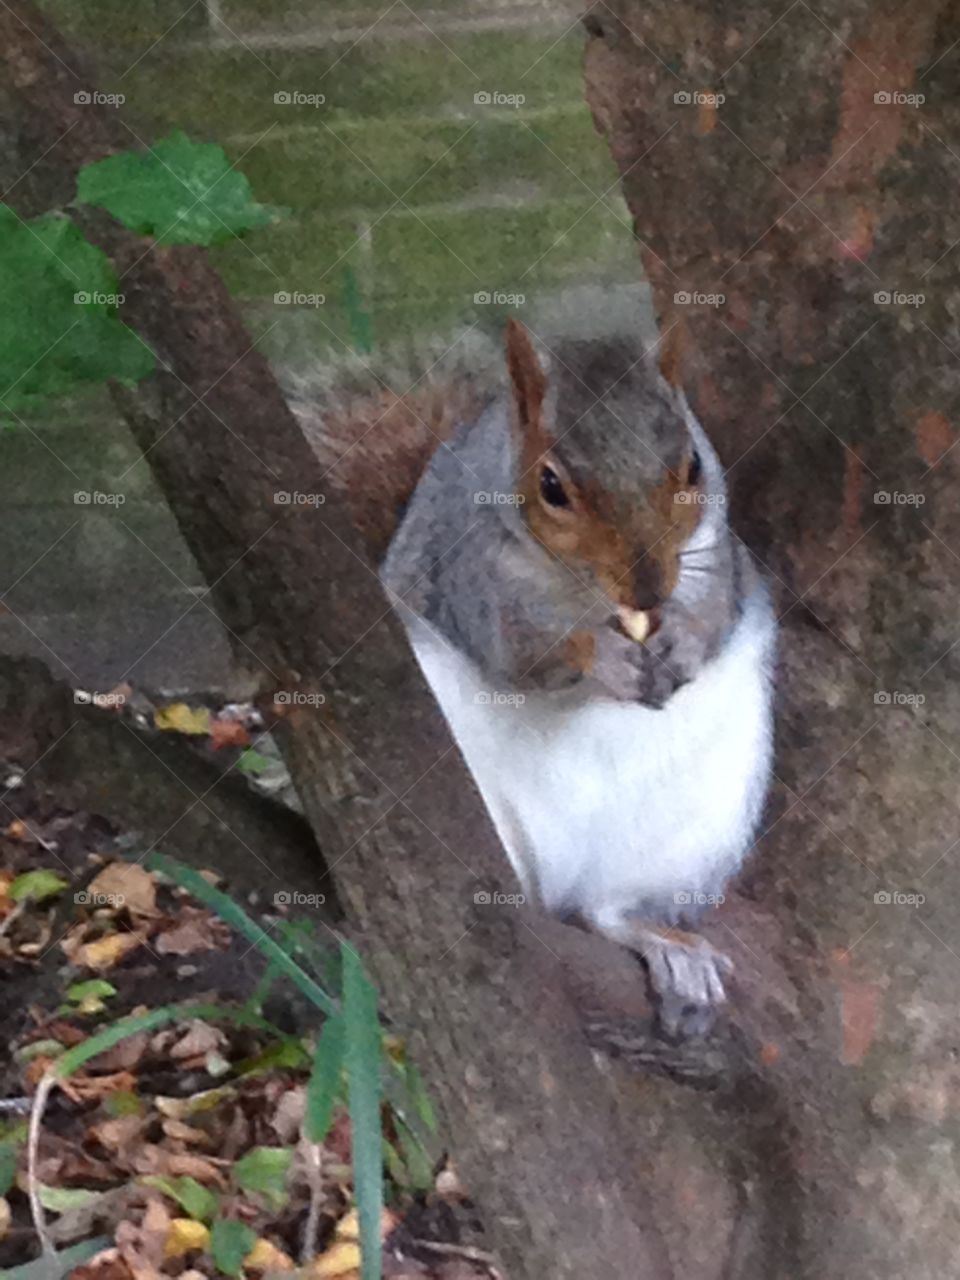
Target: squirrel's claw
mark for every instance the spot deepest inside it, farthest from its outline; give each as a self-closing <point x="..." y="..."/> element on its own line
<point x="686" y="974"/>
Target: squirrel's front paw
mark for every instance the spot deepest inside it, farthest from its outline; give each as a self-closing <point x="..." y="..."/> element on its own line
<point x="633" y="672"/>
<point x="686" y="974"/>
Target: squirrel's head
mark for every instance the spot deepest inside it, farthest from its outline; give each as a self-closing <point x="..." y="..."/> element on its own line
<point x="608" y="471"/>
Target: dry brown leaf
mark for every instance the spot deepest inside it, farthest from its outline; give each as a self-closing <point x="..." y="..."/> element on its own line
<point x="199" y="1039"/>
<point x="158" y="1160"/>
<point x="106" y="952"/>
<point x="120" y="1135"/>
<point x="105" y="1265"/>
<point x="125" y="884"/>
<point x="187" y="937"/>
<point x="123" y="1056"/>
<point x="141" y="1247"/>
<point x="180" y="1132"/>
<point x="84" y="1088"/>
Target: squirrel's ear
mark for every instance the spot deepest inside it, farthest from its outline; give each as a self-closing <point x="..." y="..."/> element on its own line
<point x="526" y="373"/>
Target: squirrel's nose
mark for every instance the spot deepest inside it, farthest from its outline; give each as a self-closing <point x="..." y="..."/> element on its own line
<point x="648" y="584"/>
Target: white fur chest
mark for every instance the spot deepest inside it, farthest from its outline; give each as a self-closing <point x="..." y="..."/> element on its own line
<point x="606" y="807"/>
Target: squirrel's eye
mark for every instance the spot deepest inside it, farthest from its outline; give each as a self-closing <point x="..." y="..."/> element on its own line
<point x="695" y="470"/>
<point x="551" y="489"/>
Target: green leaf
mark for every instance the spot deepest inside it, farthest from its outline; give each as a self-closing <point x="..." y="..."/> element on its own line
<point x="362" y="1042"/>
<point x="180" y="192"/>
<point x="59" y="320"/>
<point x="123" y="1102"/>
<point x="287" y="1053"/>
<point x="416" y="1158"/>
<point x="323" y="1087"/>
<point x="8" y="1165"/>
<point x="194" y="1198"/>
<point x="94" y="989"/>
<point x="38" y="885"/>
<point x="61" y="1199"/>
<point x="230" y="1242"/>
<point x="254" y="762"/>
<point x="264" y="1169"/>
<point x="237" y="919"/>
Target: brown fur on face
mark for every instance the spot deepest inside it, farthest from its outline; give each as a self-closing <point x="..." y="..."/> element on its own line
<point x="630" y="547"/>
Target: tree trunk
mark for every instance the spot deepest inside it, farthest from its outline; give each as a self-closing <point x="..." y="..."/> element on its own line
<point x="818" y="200"/>
<point x="537" y="1128"/>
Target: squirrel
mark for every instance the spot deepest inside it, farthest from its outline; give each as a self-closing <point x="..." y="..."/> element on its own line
<point x="599" y="641"/>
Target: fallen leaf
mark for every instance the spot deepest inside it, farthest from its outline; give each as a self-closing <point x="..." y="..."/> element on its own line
<point x="142" y="1247"/>
<point x="181" y="1132"/>
<point x="185" y="1234"/>
<point x="106" y="952"/>
<point x="125" y="884"/>
<point x="339" y="1261"/>
<point x="228" y="733"/>
<point x="5" y="1216"/>
<point x="106" y="1265"/>
<point x="179" y="718"/>
<point x="155" y="1159"/>
<point x="199" y="1039"/>
<point x="265" y="1256"/>
<point x="37" y="886"/>
<point x="84" y="1088"/>
<point x="185" y="938"/>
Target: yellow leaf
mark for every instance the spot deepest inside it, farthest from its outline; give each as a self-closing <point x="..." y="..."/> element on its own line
<point x="184" y="1235"/>
<point x="105" y="952"/>
<point x="339" y="1260"/>
<point x="265" y="1256"/>
<point x="348" y="1228"/>
<point x="180" y="718"/>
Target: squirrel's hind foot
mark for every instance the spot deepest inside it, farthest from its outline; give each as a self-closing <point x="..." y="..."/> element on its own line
<point x="686" y="974"/>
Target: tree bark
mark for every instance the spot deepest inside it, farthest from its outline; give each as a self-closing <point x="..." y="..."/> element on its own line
<point x="787" y="231"/>
<point x="537" y="1128"/>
